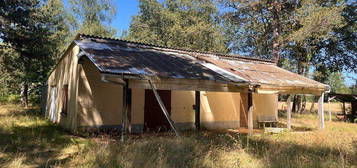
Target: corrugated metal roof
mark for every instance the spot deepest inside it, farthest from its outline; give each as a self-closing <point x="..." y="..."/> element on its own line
<point x="344" y="97"/>
<point x="265" y="73"/>
<point x="132" y="58"/>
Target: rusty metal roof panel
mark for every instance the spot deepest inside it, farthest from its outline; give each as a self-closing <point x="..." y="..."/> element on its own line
<point x="124" y="57"/>
<point x="265" y="73"/>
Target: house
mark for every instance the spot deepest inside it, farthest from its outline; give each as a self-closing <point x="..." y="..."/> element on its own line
<point x="109" y="83"/>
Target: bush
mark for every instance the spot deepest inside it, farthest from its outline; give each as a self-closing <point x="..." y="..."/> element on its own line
<point x="14" y="98"/>
<point x="3" y="99"/>
<point x="34" y="98"/>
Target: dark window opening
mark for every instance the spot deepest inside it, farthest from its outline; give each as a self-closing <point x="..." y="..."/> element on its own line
<point x="64" y="100"/>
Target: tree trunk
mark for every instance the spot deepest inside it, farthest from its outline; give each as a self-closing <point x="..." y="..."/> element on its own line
<point x="303" y="104"/>
<point x="24" y="94"/>
<point x="276" y="30"/>
<point x="297" y="104"/>
<point x="313" y="104"/>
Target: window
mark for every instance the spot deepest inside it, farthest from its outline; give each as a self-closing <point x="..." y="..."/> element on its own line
<point x="64" y="100"/>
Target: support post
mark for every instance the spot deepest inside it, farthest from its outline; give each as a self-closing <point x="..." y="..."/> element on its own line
<point x="197" y="109"/>
<point x="163" y="108"/>
<point x="250" y="114"/>
<point x="128" y="108"/>
<point x="288" y="112"/>
<point x="321" y="112"/>
<point x="124" y="113"/>
<point x="329" y="107"/>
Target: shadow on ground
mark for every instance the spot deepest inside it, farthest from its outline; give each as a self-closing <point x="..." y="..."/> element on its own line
<point x="39" y="143"/>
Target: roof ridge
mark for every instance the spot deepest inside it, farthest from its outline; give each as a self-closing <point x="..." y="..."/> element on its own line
<point x="221" y="55"/>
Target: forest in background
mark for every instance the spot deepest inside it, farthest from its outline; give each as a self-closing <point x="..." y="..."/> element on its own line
<point x="315" y="38"/>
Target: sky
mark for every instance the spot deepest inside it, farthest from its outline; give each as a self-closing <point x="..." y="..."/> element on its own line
<point x="126" y="9"/>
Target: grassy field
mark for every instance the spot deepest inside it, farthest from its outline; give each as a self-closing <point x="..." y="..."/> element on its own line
<point x="28" y="140"/>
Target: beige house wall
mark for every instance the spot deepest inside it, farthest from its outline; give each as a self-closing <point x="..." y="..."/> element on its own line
<point x="65" y="73"/>
<point x="265" y="107"/>
<point x="219" y="110"/>
<point x="99" y="103"/>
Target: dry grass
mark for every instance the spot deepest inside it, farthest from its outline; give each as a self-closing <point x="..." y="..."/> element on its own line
<point x="27" y="140"/>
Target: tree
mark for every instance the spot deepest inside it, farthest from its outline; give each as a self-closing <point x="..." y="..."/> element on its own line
<point x="188" y="24"/>
<point x="338" y="51"/>
<point x="354" y="87"/>
<point x="254" y="26"/>
<point x="91" y="16"/>
<point x="307" y="33"/>
<point x="30" y="30"/>
<point x="336" y="82"/>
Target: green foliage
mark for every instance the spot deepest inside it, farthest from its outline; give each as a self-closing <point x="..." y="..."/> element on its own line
<point x="33" y="36"/>
<point x="91" y="16"/>
<point x="339" y="52"/>
<point x="188" y="24"/>
<point x="13" y="98"/>
<point x="336" y="82"/>
<point x="35" y="33"/>
<point x="317" y="22"/>
<point x="249" y="27"/>
<point x="317" y="34"/>
<point x="354" y="88"/>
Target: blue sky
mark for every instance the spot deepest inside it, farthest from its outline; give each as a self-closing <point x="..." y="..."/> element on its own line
<point x="125" y="10"/>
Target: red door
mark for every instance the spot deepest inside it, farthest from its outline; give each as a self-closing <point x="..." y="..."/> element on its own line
<point x="244" y="110"/>
<point x="154" y="118"/>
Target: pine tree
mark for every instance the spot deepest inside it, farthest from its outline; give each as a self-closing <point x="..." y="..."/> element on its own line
<point x="308" y="33"/>
<point x="28" y="28"/>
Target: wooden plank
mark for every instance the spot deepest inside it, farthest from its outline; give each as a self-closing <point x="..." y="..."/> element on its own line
<point x="250" y="114"/>
<point x="124" y="115"/>
<point x="288" y="90"/>
<point x="197" y="110"/>
<point x="163" y="108"/>
<point x="187" y="85"/>
<point x="274" y="130"/>
<point x="289" y="105"/>
<point x="321" y="112"/>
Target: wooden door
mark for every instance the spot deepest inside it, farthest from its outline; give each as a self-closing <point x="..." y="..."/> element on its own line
<point x="154" y="118"/>
<point x="244" y="110"/>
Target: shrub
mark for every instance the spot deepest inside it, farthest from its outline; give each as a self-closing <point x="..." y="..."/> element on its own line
<point x="14" y="98"/>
